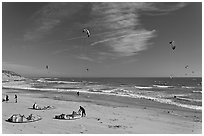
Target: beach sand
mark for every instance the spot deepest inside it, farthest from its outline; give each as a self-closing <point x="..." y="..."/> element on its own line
<point x="105" y="115"/>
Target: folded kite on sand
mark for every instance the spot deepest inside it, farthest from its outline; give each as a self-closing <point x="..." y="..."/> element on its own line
<point x="72" y="116"/>
<point x="36" y="107"/>
<point x="18" y="118"/>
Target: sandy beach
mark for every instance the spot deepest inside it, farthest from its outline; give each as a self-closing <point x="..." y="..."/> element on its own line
<point x="105" y="115"/>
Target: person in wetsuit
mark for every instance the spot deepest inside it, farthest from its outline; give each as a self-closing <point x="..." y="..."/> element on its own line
<point x="82" y="110"/>
<point x="15" y="97"/>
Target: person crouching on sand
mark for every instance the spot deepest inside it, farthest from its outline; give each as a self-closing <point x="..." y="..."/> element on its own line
<point x="82" y="110"/>
<point x="35" y="106"/>
<point x="6" y="98"/>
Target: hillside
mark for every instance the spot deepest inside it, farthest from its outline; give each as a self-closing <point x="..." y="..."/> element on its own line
<point x="11" y="76"/>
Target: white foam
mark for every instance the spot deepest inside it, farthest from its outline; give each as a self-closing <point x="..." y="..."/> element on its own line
<point x="163" y="86"/>
<point x="188" y="87"/>
<point x="26" y="87"/>
<point x="167" y="101"/>
<point x="49" y="81"/>
<point x="188" y="99"/>
<point x="64" y="82"/>
<point x="143" y="87"/>
<point x="197" y="91"/>
<point x="107" y="91"/>
<point x="41" y="80"/>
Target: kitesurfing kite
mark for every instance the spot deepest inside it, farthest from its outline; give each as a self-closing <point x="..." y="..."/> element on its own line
<point x="88" y="34"/>
<point x="186" y="66"/>
<point x="172" y="45"/>
<point x="87" y="31"/>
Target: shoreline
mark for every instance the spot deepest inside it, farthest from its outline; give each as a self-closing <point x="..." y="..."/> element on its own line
<point x="169" y="100"/>
<point x="160" y="115"/>
<point x="103" y="97"/>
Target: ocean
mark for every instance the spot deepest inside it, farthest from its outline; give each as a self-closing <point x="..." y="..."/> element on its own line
<point x="181" y="92"/>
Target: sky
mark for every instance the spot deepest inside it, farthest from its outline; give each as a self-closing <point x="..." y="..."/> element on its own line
<point x="127" y="39"/>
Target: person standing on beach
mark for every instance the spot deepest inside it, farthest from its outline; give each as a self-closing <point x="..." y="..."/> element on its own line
<point x="78" y="93"/>
<point x="82" y="110"/>
<point x="15" y="97"/>
<point x="7" y="98"/>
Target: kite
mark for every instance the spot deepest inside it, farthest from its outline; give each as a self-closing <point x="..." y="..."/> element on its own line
<point x="172" y="45"/>
<point x="87" y="32"/>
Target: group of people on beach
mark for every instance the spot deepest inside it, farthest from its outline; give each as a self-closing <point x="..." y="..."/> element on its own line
<point x="81" y="112"/>
<point x="18" y="118"/>
<point x="6" y="98"/>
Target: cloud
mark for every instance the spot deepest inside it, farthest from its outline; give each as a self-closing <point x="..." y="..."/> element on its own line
<point x="127" y="36"/>
<point x="83" y="57"/>
<point x="132" y="44"/>
<point x="115" y="38"/>
<point x="49" y="17"/>
<point x="161" y="8"/>
<point x="122" y="19"/>
<point x="116" y="26"/>
<point x="44" y="28"/>
<point x="60" y="51"/>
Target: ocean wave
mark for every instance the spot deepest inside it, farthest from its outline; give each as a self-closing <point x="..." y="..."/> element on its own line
<point x="94" y="90"/>
<point x="160" y="99"/>
<point x="107" y="91"/>
<point x="187" y="87"/>
<point x="64" y="82"/>
<point x="143" y="87"/>
<point x="43" y="80"/>
<point x="163" y="86"/>
<point x="188" y="99"/>
<point x="167" y="101"/>
<point x="115" y="92"/>
<point x="197" y="91"/>
<point x="30" y="88"/>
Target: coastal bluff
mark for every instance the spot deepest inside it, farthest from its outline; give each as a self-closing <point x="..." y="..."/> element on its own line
<point x="8" y="76"/>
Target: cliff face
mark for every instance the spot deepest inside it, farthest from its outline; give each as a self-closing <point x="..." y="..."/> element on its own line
<point x="11" y="76"/>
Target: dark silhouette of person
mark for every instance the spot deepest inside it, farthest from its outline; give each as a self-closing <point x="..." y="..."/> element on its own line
<point x="78" y="93"/>
<point x="7" y="98"/>
<point x="35" y="106"/>
<point x="15" y="97"/>
<point x="82" y="110"/>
